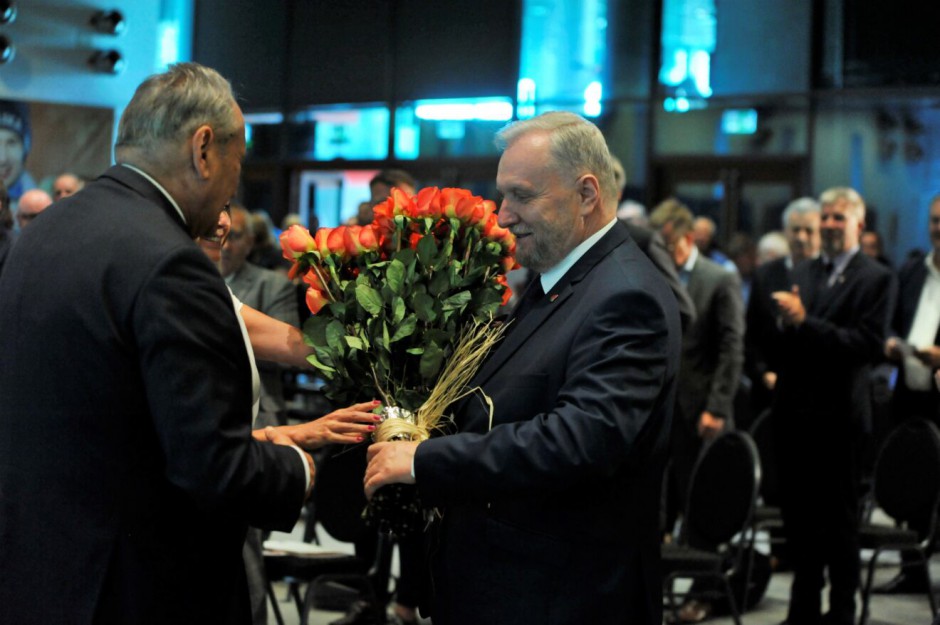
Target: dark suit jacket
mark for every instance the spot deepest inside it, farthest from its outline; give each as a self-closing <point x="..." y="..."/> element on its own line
<point x="712" y="347"/>
<point x="274" y="295"/>
<point x="822" y="391"/>
<point x="761" y="342"/>
<point x="911" y="280"/>
<point x="551" y="514"/>
<point x="127" y="472"/>
<point x="652" y="244"/>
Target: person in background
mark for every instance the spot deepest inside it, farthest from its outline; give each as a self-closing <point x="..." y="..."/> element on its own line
<point x="14" y="148"/>
<point x="703" y="232"/>
<point x="772" y="246"/>
<point x="65" y="185"/>
<point x="915" y="347"/>
<point x="835" y="321"/>
<point x="269" y="292"/>
<point x="800" y="222"/>
<point x="873" y="247"/>
<point x="31" y="204"/>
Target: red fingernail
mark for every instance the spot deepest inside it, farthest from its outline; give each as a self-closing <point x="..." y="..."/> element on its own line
<point x="359" y="438"/>
<point x="377" y="417"/>
<point x="376" y="402"/>
<point x="371" y="427"/>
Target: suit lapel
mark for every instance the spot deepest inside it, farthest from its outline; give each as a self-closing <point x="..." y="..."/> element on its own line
<point x="554" y="300"/>
<point x="830" y="295"/>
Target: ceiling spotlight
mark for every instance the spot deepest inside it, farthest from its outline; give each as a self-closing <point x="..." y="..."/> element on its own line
<point x="7" y="12"/>
<point x="107" y="62"/>
<point x="109" y="22"/>
<point x="7" y="50"/>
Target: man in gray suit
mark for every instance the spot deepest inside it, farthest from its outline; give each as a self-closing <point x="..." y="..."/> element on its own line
<point x="264" y="290"/>
<point x="712" y="345"/>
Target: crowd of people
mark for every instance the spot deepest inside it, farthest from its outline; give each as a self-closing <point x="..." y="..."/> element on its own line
<point x="146" y="316"/>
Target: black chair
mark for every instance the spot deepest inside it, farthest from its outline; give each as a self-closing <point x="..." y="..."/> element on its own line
<point x="907" y="487"/>
<point x="767" y="515"/>
<point x="338" y="502"/>
<point x="720" y="505"/>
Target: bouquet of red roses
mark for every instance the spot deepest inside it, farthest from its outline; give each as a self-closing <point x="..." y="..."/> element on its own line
<point x="403" y="307"/>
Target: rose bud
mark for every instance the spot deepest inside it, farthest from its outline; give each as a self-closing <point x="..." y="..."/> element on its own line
<point x="351" y="240"/>
<point x="321" y="238"/>
<point x="335" y="242"/>
<point x="368" y="241"/>
<point x="296" y="241"/>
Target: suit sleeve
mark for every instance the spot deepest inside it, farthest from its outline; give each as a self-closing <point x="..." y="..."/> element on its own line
<point x="658" y="253"/>
<point x="281" y="301"/>
<point x="862" y="341"/>
<point x="729" y="315"/>
<point x="197" y="379"/>
<point x="617" y="369"/>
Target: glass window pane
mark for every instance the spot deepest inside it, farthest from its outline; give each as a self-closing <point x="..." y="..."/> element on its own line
<point x="339" y="132"/>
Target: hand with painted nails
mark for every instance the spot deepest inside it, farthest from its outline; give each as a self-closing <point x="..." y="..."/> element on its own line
<point x="344" y="426"/>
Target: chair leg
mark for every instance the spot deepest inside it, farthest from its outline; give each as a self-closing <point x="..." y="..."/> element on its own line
<point x="731" y="602"/>
<point x="671" y="596"/>
<point x="926" y="562"/>
<point x="866" y="592"/>
<point x="273" y="599"/>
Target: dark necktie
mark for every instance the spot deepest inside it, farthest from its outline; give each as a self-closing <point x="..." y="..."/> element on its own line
<point x="529" y="299"/>
<point x="828" y="268"/>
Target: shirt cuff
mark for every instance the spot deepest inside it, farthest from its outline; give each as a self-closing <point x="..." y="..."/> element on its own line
<point x="303" y="458"/>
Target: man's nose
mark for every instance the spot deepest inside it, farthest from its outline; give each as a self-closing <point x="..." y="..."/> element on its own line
<point x="505" y="217"/>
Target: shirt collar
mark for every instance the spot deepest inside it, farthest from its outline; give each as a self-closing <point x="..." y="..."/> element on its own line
<point x="160" y="188"/>
<point x="551" y="277"/>
<point x="691" y="260"/>
<point x="839" y="262"/>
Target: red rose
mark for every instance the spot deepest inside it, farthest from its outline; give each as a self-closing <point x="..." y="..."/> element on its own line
<point x="313" y="279"/>
<point x="368" y="239"/>
<point x="351" y="240"/>
<point x="414" y="239"/>
<point x="507" y="292"/>
<point x="315" y="300"/>
<point x="296" y="241"/>
<point x="428" y="202"/>
<point x="336" y="241"/>
<point x="320" y="238"/>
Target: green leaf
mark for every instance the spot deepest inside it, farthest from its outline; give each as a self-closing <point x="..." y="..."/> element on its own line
<point x="427" y="250"/>
<point x="424" y="307"/>
<point x="431" y="362"/>
<point x="440" y="283"/>
<point x="312" y="359"/>
<point x="457" y="300"/>
<point x="355" y="342"/>
<point x="315" y="329"/>
<point x="369" y="299"/>
<point x="335" y="332"/>
<point x="395" y="276"/>
<point x="398" y="310"/>
<point x="406" y="329"/>
<point x="415" y="351"/>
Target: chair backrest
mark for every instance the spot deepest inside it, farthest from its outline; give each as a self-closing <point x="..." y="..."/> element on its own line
<point x="761" y="432"/>
<point x="723" y="491"/>
<point x="907" y="471"/>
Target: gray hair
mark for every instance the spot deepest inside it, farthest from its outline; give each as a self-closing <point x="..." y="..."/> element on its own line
<point x="851" y="197"/>
<point x="576" y="146"/>
<point x="170" y="106"/>
<point x="799" y="206"/>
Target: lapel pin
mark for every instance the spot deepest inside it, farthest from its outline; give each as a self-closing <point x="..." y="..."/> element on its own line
<point x="553" y="297"/>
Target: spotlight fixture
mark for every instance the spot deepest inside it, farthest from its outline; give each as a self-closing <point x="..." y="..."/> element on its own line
<point x="109" y="22"/>
<point x="107" y="62"/>
<point x="7" y="12"/>
<point x="7" y="50"/>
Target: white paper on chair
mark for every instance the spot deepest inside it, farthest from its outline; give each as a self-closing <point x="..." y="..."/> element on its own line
<point x="298" y="548"/>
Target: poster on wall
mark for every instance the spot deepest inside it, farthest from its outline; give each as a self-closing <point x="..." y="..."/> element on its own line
<point x="40" y="141"/>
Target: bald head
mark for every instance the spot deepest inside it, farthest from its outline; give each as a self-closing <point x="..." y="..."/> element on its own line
<point x="31" y="204"/>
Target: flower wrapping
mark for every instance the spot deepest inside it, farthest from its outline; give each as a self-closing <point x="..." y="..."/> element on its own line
<point x="403" y="307"/>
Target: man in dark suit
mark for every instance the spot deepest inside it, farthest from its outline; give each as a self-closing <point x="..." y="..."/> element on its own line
<point x="915" y="348"/>
<point x="550" y="505"/>
<point x="761" y="342"/>
<point x="264" y="290"/>
<point x="129" y="474"/>
<point x="712" y="346"/>
<point x="836" y="319"/>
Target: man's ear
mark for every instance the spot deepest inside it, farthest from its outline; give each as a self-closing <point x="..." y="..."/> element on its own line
<point x="199" y="144"/>
<point x="589" y="191"/>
